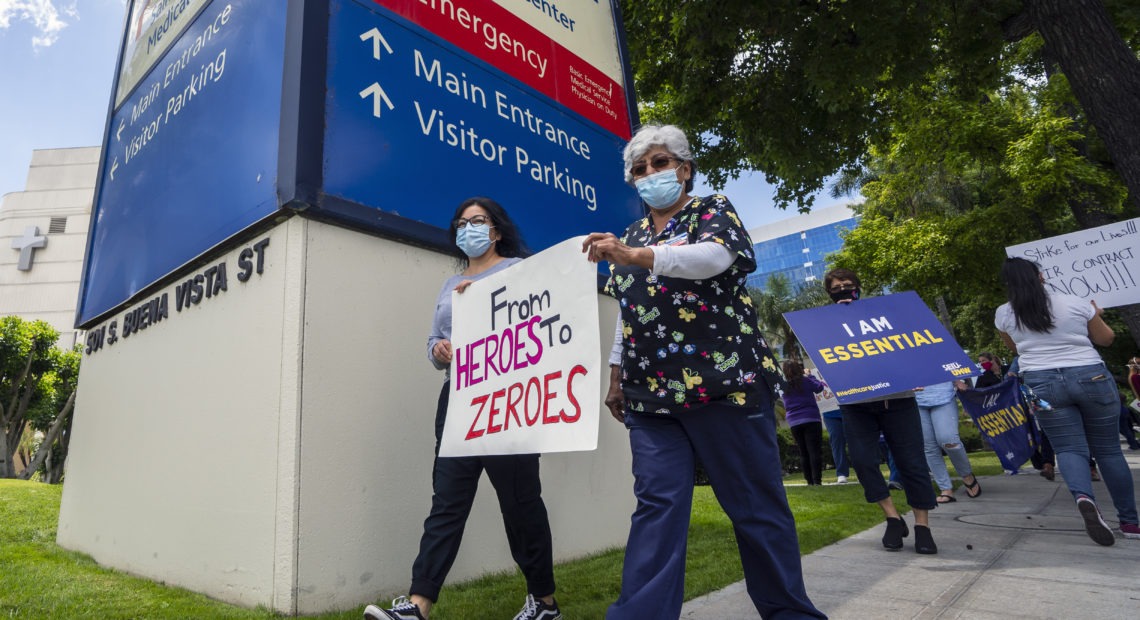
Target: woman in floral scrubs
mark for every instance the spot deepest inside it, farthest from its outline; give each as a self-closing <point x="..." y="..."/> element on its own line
<point x="693" y="381"/>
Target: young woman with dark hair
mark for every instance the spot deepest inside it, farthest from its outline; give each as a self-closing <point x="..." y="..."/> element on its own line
<point x="1054" y="334"/>
<point x="486" y="242"/>
<point x="802" y="414"/>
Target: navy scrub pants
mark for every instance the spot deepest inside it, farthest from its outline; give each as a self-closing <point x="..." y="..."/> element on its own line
<point x="454" y="482"/>
<point x="738" y="451"/>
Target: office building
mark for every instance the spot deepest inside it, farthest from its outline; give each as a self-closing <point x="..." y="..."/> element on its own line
<point x="797" y="247"/>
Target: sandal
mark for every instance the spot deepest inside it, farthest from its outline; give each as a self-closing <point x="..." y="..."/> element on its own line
<point x="976" y="487"/>
<point x="945" y="499"/>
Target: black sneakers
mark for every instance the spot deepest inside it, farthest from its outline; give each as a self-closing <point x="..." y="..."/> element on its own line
<point x="535" y="609"/>
<point x="401" y="609"/>
<point x="1097" y="529"/>
<point x="896" y="532"/>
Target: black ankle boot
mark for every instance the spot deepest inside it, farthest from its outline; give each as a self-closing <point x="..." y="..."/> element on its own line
<point x="896" y="532"/>
<point x="924" y="541"/>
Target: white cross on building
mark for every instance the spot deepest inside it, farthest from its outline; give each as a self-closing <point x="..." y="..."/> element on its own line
<point x="26" y="245"/>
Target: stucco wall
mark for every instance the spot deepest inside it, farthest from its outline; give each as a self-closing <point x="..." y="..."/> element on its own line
<point x="273" y="445"/>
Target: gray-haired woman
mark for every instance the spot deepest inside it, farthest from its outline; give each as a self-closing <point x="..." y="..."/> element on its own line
<point x="692" y="379"/>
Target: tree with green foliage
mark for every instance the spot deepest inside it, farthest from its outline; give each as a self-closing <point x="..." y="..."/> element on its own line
<point x="802" y="89"/>
<point x="779" y="297"/>
<point x="37" y="393"/>
<point x="958" y="181"/>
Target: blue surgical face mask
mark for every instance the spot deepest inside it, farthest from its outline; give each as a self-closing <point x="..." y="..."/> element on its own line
<point x="474" y="239"/>
<point x="659" y="190"/>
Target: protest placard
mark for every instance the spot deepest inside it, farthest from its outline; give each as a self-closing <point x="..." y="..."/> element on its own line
<point x="525" y="369"/>
<point x="825" y="400"/>
<point x="879" y="346"/>
<point x="1001" y="417"/>
<point x="1099" y="263"/>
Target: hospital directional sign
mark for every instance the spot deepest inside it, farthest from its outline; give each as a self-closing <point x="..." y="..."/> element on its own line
<point x="190" y="155"/>
<point x="430" y="102"/>
<point x="378" y="114"/>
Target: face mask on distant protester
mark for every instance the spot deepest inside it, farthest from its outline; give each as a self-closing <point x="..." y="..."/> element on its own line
<point x="474" y="239"/>
<point x="845" y="294"/>
<point x="987" y="366"/>
<point x="659" y="190"/>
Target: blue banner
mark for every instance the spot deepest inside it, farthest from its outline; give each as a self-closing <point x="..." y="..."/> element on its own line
<point x="879" y="346"/>
<point x="1003" y="419"/>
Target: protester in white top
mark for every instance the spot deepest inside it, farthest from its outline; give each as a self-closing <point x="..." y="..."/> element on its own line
<point x="1054" y="335"/>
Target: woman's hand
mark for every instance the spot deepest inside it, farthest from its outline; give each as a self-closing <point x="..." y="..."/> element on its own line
<point x="615" y="400"/>
<point x="606" y="247"/>
<point x="1099" y="311"/>
<point x="462" y="286"/>
<point x="442" y="351"/>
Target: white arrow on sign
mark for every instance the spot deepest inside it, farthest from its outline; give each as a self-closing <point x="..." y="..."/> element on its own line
<point x="113" y="167"/>
<point x="122" y="124"/>
<point x="377" y="41"/>
<point x="378" y="95"/>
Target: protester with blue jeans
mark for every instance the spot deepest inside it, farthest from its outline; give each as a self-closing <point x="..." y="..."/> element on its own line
<point x="837" y="439"/>
<point x="938" y="412"/>
<point x="1054" y="335"/>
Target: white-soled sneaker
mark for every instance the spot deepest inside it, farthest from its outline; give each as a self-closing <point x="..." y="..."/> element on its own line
<point x="535" y="609"/>
<point x="841" y="480"/>
<point x="1097" y="529"/>
<point x="401" y="609"/>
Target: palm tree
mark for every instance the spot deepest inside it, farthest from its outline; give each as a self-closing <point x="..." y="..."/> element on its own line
<point x="781" y="297"/>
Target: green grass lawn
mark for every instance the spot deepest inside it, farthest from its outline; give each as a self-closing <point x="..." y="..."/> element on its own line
<point x="38" y="579"/>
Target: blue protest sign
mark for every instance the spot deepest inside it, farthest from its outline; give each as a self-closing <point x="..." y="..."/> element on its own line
<point x="191" y="154"/>
<point x="422" y="114"/>
<point x="878" y="346"/>
<point x="1001" y="417"/>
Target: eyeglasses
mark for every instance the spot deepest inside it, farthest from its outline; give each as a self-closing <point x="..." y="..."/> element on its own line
<point x="478" y="220"/>
<point x="841" y="288"/>
<point x="659" y="162"/>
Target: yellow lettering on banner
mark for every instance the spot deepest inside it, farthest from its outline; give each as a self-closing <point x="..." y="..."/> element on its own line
<point x="875" y="346"/>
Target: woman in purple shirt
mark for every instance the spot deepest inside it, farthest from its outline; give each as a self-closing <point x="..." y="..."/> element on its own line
<point x="804" y="419"/>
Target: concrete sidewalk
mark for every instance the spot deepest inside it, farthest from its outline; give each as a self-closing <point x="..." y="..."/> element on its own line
<point x="1018" y="551"/>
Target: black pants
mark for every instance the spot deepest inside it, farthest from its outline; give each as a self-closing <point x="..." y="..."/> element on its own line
<point x="454" y="482"/>
<point x="899" y="423"/>
<point x="809" y="439"/>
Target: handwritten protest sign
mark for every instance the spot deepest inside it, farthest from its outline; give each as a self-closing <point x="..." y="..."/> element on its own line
<point x="1096" y="263"/>
<point x="525" y="369"/>
<point x="825" y="400"/>
<point x="879" y="346"/>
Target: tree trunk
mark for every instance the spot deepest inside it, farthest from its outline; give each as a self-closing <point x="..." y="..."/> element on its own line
<point x="53" y="433"/>
<point x="16" y="421"/>
<point x="944" y="316"/>
<point x="1103" y="72"/>
<point x="1131" y="316"/>
<point x="7" y="467"/>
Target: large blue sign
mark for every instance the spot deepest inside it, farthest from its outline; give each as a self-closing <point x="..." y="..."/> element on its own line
<point x="877" y="346"/>
<point x="191" y="156"/>
<point x="229" y="111"/>
<point x="416" y="124"/>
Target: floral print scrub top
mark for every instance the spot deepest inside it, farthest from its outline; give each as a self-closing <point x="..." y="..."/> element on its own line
<point x="689" y="342"/>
